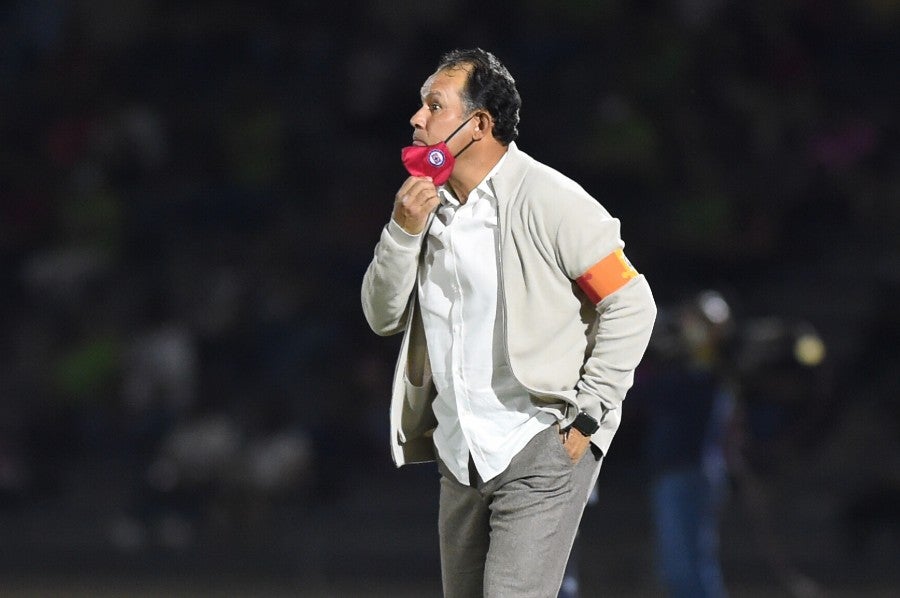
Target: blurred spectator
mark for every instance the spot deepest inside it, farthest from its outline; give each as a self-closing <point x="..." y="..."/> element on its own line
<point x="786" y="409"/>
<point x="686" y="397"/>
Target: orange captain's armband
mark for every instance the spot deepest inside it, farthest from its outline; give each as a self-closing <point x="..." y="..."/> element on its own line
<point x="606" y="276"/>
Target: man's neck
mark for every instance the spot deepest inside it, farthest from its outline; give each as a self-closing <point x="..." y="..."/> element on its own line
<point x="463" y="180"/>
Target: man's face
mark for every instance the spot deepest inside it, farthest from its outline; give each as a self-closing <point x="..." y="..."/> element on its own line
<point x="442" y="108"/>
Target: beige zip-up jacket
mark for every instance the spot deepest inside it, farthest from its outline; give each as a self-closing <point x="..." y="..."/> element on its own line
<point x="568" y="352"/>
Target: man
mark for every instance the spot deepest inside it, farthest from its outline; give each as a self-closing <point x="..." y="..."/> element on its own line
<point x="523" y="323"/>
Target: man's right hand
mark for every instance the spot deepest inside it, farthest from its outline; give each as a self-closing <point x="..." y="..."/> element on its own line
<point x="415" y="200"/>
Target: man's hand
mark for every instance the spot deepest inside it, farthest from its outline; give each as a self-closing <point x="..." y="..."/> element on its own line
<point x="575" y="443"/>
<point x="415" y="200"/>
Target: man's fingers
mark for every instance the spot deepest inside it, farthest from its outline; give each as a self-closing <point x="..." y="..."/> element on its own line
<point x="411" y="185"/>
<point x="415" y="200"/>
<point x="421" y="193"/>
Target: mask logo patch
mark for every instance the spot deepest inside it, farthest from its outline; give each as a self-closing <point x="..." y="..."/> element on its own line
<point x="436" y="157"/>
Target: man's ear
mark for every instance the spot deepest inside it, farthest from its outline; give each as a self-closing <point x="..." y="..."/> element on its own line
<point x="484" y="124"/>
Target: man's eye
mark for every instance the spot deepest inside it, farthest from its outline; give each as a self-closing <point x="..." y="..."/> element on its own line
<point x="433" y="107"/>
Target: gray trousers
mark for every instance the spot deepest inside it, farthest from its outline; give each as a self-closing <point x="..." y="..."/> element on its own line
<point x="510" y="537"/>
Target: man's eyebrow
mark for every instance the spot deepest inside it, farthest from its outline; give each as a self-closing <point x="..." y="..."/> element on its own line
<point x="431" y="93"/>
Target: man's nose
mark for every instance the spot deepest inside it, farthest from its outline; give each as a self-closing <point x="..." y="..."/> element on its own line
<point x="417" y="120"/>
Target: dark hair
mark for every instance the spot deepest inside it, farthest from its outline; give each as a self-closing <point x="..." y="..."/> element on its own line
<point x="489" y="86"/>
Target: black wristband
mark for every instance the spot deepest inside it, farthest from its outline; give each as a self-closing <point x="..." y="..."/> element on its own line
<point x="585" y="424"/>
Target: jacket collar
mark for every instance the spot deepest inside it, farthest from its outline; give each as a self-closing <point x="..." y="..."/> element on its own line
<point x="510" y="177"/>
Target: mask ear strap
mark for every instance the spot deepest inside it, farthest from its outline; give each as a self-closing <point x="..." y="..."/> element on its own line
<point x="458" y="129"/>
<point x="464" y="149"/>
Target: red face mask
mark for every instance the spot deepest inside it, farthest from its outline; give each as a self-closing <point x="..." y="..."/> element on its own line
<point x="434" y="161"/>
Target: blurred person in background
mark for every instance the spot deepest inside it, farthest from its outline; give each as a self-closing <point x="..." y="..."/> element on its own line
<point x="722" y="402"/>
<point x="784" y="417"/>
<point x="523" y="323"/>
<point x="688" y="402"/>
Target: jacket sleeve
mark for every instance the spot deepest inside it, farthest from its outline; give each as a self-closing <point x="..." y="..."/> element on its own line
<point x="390" y="280"/>
<point x="624" y="323"/>
<point x="591" y="252"/>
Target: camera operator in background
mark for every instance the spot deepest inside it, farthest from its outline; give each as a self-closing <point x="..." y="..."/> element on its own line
<point x="721" y="403"/>
<point x="687" y="401"/>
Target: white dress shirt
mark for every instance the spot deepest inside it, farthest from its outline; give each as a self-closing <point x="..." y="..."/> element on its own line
<point x="481" y="408"/>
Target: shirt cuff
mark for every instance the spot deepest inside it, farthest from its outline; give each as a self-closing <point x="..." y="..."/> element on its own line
<point x="403" y="238"/>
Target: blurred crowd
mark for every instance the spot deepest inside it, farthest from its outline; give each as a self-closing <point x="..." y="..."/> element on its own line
<point x="190" y="192"/>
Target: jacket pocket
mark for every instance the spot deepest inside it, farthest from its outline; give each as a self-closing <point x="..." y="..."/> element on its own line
<point x="416" y="417"/>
